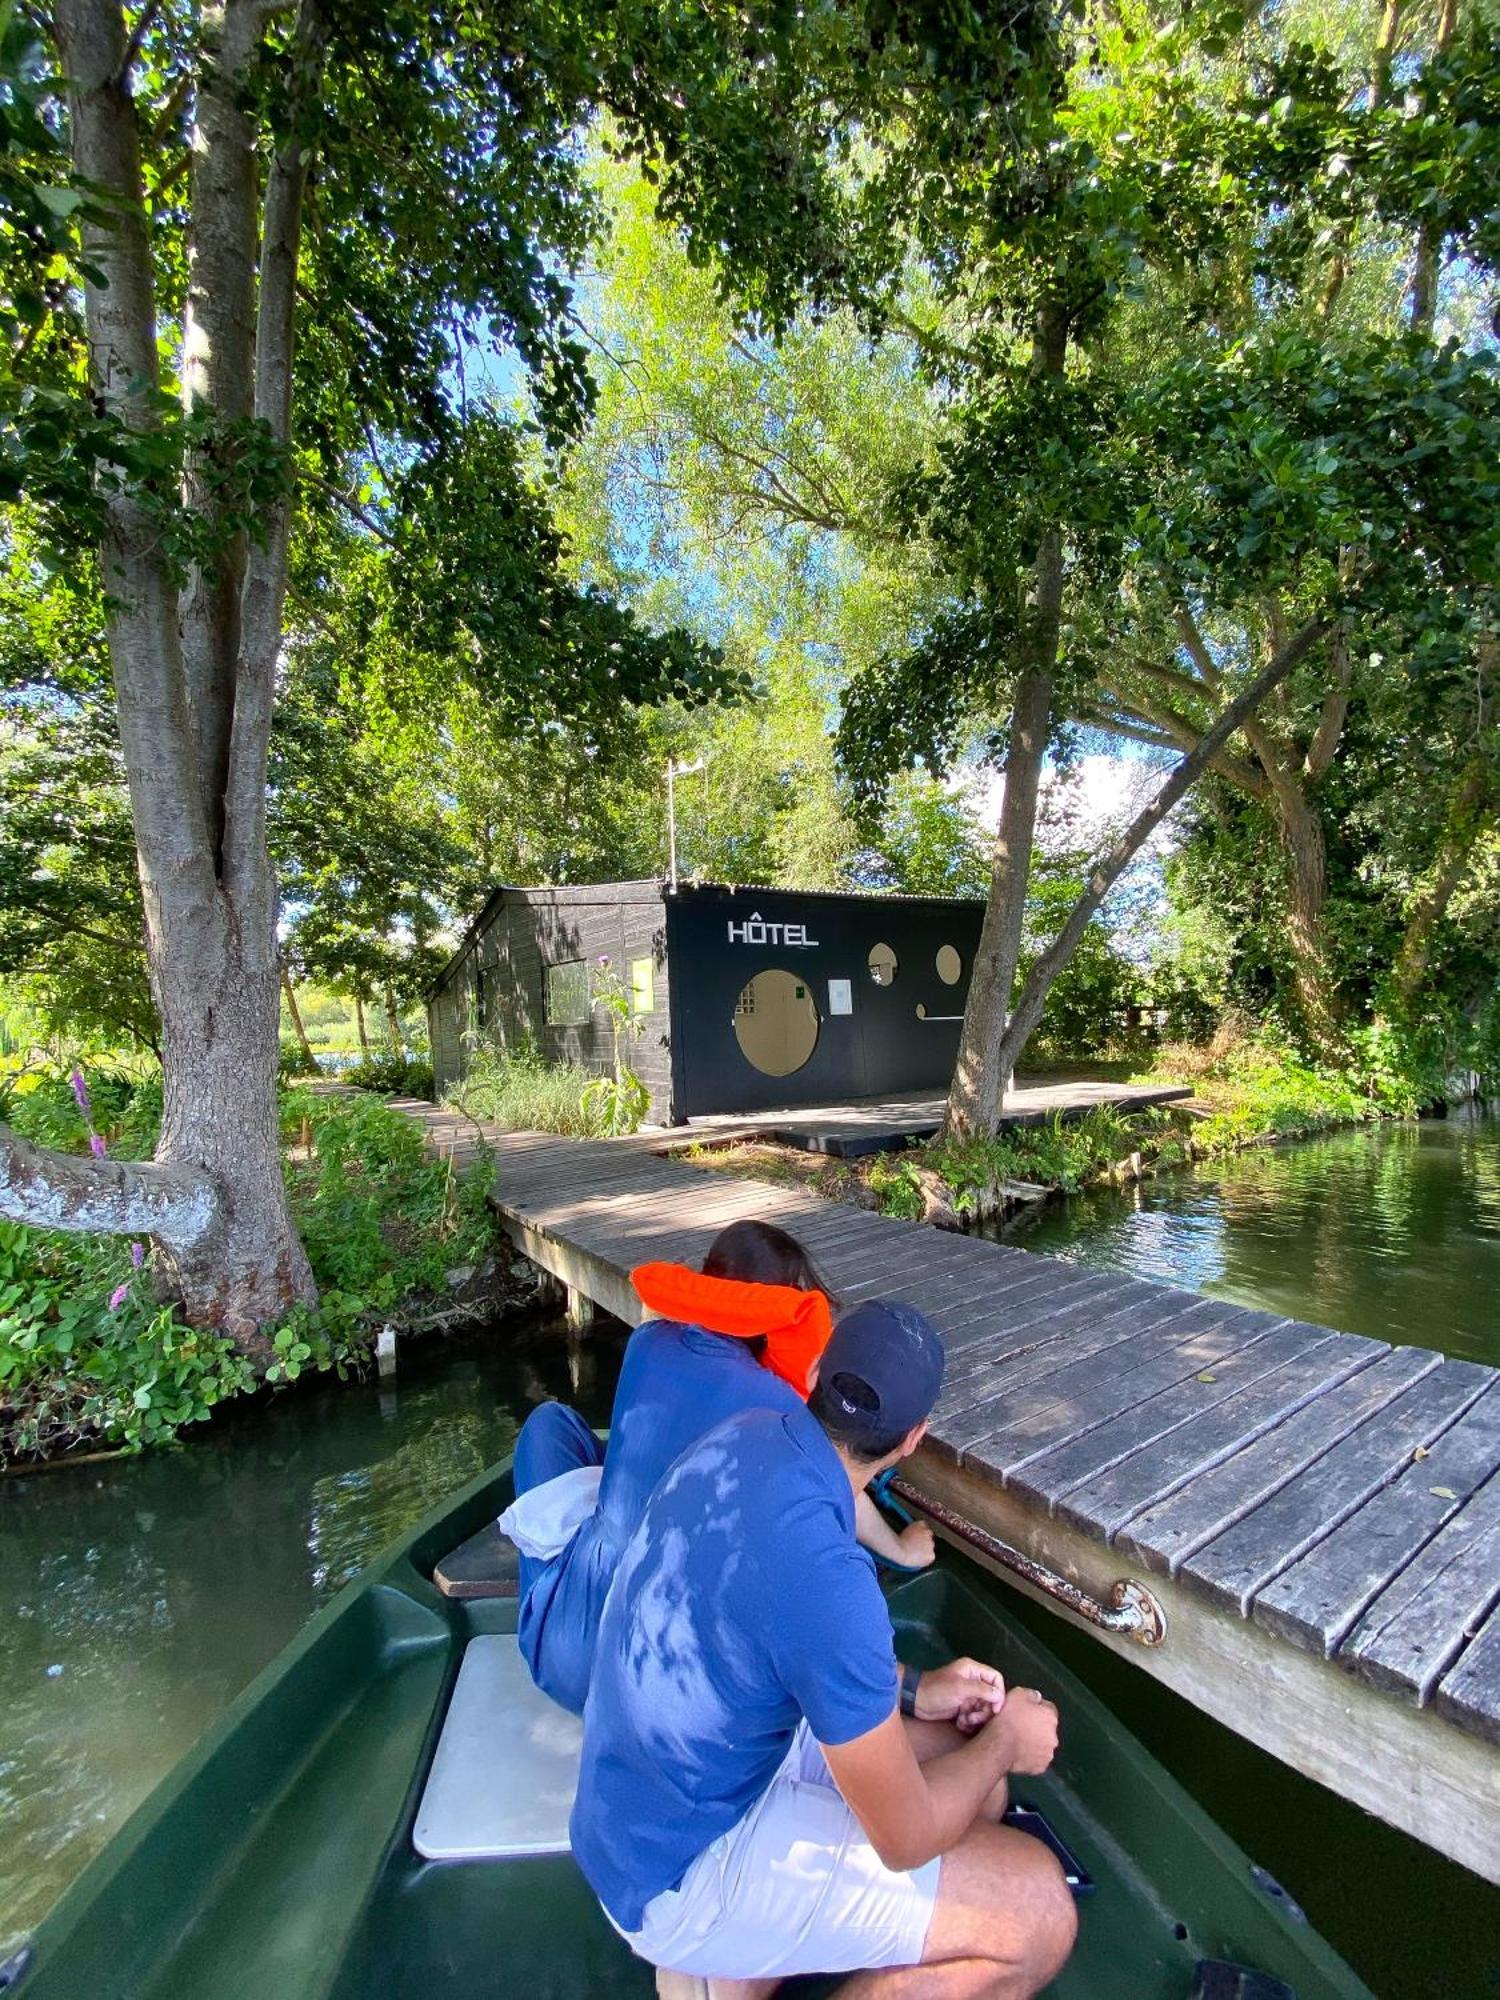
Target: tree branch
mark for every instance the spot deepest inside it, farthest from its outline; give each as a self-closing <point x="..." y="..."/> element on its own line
<point x="218" y="335"/>
<point x="1187" y="735"/>
<point x="1324" y="745"/>
<point x="266" y="571"/>
<point x="47" y="1190"/>
<point x="1197" y="648"/>
<point x="1107" y="871"/>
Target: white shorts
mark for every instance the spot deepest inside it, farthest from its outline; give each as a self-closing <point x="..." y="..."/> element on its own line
<point x="795" y="1887"/>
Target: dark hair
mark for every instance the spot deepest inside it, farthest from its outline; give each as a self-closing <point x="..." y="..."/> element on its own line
<point x="855" y="1438"/>
<point x="758" y="1253"/>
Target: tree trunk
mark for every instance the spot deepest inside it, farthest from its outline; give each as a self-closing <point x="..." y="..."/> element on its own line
<point x="1306" y="855"/>
<point x="1469" y="813"/>
<point x="981" y="1078"/>
<point x="393" y="1021"/>
<point x="210" y="904"/>
<point x="977" y="1095"/>
<point x="359" y="1022"/>
<point x="296" y="1013"/>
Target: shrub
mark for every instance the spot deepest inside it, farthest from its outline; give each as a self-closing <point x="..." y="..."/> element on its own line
<point x="392" y="1076"/>
<point x="88" y="1353"/>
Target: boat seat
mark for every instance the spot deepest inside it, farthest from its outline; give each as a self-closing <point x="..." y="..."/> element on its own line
<point x="486" y="1565"/>
<point x="506" y="1767"/>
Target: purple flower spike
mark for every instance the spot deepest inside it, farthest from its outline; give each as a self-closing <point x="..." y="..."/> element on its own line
<point x="96" y="1146"/>
<point x="137" y="1254"/>
<point x="118" y="1297"/>
<point x="81" y="1093"/>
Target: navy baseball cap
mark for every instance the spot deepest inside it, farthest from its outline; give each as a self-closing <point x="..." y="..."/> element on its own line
<point x="882" y="1368"/>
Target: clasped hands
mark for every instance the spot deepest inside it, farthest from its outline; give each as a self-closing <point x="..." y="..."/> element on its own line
<point x="972" y="1696"/>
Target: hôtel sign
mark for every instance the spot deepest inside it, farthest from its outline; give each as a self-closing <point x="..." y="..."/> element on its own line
<point x="755" y="930"/>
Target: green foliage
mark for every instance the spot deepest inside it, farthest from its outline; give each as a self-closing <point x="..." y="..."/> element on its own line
<point x="73" y="1368"/>
<point x="87" y="1353"/>
<point x="614" y="1105"/>
<point x="382" y="1219"/>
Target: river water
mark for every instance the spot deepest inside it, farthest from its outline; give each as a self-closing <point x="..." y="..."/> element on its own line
<point x="138" y="1597"/>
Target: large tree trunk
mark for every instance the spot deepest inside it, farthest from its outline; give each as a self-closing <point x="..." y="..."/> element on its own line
<point x="1307" y="882"/>
<point x="981" y="1078"/>
<point x="194" y="731"/>
<point x="359" y="1022"/>
<point x="393" y="1022"/>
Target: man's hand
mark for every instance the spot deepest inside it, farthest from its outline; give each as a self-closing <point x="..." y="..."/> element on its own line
<point x="918" y="1548"/>
<point x="965" y="1692"/>
<point x="1029" y="1721"/>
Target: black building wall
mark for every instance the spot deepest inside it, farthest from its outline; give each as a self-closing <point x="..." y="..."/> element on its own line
<point x="718" y="939"/>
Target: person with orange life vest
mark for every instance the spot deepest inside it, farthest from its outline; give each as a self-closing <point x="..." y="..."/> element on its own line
<point x="742" y="1334"/>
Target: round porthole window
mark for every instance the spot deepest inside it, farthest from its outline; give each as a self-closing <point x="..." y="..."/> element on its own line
<point x="882" y="965"/>
<point x="776" y="1022"/>
<point x="950" y="967"/>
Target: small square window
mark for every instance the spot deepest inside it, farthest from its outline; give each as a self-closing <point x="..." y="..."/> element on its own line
<point x="642" y="986"/>
<point x="568" y="994"/>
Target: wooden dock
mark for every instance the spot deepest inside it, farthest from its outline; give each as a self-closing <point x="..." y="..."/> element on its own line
<point x="1317" y="1513"/>
<point x="882" y="1124"/>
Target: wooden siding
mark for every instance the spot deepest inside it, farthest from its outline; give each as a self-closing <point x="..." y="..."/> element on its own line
<point x="519" y="935"/>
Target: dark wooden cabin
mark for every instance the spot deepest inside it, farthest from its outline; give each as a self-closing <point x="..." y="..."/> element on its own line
<point x="746" y="999"/>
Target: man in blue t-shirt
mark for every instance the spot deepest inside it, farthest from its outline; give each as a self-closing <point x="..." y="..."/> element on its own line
<point x="762" y="1792"/>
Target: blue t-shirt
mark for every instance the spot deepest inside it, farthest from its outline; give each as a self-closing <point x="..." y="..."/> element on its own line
<point x="676" y="1382"/>
<point x="742" y="1604"/>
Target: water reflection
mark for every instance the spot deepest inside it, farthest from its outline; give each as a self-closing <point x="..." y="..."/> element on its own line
<point x="138" y="1598"/>
<point x="1392" y="1231"/>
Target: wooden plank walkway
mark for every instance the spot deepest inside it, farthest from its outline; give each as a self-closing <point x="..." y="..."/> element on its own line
<point x="875" y="1125"/>
<point x="1319" y="1512"/>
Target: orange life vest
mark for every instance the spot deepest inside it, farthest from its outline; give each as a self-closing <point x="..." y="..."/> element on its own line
<point x="796" y="1324"/>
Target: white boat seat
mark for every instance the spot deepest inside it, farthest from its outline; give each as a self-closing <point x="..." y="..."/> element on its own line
<point x="506" y="1766"/>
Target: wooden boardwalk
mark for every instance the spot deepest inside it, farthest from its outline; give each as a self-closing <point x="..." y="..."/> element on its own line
<point x="875" y="1125"/>
<point x="1318" y="1513"/>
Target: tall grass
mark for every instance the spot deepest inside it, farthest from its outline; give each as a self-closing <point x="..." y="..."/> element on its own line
<point x="521" y="1091"/>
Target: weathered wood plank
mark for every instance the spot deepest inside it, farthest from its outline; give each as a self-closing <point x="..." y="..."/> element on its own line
<point x="1420" y="1622"/>
<point x="1072" y="1328"/>
<point x="1414" y="1767"/>
<point x="1164" y="1438"/>
<point x="1078" y="1399"/>
<point x="1314" y="1601"/>
<point x="486" y="1565"/>
<point x="1058" y="1375"/>
<point x="1234" y="1566"/>
<point x="1166" y="1532"/>
<point x="1469" y="1693"/>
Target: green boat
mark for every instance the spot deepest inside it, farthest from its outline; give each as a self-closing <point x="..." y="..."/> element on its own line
<point x="278" y="1861"/>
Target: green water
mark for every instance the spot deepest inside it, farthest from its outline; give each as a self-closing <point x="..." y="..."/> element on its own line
<point x="138" y="1597"/>
<point x="1392" y="1231"/>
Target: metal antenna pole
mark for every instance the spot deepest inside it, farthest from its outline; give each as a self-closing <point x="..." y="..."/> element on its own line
<point x="672" y="826"/>
<point x="674" y="772"/>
